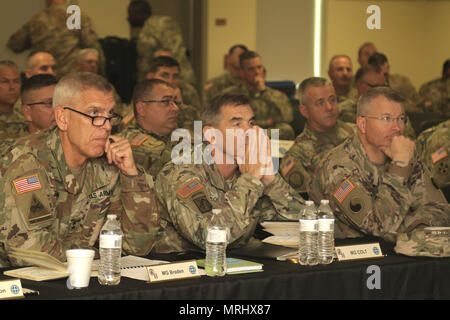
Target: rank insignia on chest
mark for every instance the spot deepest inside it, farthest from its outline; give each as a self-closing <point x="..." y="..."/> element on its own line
<point x="439" y="155"/>
<point x="27" y="184"/>
<point x="189" y="189"/>
<point x="345" y="188"/>
<point x="140" y="139"/>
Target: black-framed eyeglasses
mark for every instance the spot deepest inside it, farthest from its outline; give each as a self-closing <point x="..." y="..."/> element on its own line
<point x="99" y="121"/>
<point x="45" y="103"/>
<point x="165" y="102"/>
<point x="386" y="119"/>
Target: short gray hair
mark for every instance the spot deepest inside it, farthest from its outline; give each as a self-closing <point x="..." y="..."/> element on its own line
<point x="81" y="53"/>
<point x="311" y="82"/>
<point x="72" y="86"/>
<point x="364" y="102"/>
<point x="8" y="64"/>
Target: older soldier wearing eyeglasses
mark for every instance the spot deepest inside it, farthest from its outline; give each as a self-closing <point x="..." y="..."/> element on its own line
<point x="156" y="114"/>
<point x="61" y="183"/>
<point x="377" y="184"/>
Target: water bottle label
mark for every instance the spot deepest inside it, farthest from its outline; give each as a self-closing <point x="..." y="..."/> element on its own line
<point x="110" y="241"/>
<point x="309" y="225"/>
<point x="216" y="236"/>
<point x="326" y="225"/>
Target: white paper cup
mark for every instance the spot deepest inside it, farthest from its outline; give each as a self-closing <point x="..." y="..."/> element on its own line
<point x="79" y="266"/>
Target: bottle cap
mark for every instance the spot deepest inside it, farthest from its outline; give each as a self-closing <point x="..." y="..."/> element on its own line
<point x="111" y="216"/>
<point x="324" y="201"/>
<point x="309" y="203"/>
<point x="216" y="211"/>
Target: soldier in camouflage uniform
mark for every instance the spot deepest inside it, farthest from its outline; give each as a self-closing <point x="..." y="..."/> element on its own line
<point x="433" y="147"/>
<point x="340" y="72"/>
<point x="375" y="182"/>
<point x="48" y="31"/>
<point x="272" y="107"/>
<point x="245" y="193"/>
<point x="156" y="114"/>
<point x="59" y="184"/>
<point x="318" y="104"/>
<point x="231" y="77"/>
<point x="10" y="83"/>
<point x="435" y="94"/>
<point x="168" y="69"/>
<point x="367" y="77"/>
<point x="163" y="32"/>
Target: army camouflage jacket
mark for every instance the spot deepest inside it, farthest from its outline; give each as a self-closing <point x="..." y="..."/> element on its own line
<point x="433" y="147"/>
<point x="297" y="166"/>
<point x="47" y="206"/>
<point x="190" y="192"/>
<point x="150" y="151"/>
<point x="377" y="199"/>
<point x="216" y="85"/>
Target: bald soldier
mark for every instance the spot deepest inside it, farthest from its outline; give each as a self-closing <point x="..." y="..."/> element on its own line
<point x="433" y="147"/>
<point x="59" y="184"/>
<point x="156" y="114"/>
<point x="376" y="183"/>
<point x="247" y="191"/>
<point x="323" y="131"/>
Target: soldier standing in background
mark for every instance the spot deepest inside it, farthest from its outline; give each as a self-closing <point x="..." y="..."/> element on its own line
<point x="48" y="31"/>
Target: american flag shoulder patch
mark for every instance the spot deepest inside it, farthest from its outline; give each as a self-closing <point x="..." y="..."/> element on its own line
<point x="189" y="189"/>
<point x="439" y="155"/>
<point x="140" y="139"/>
<point x="27" y="184"/>
<point x="344" y="189"/>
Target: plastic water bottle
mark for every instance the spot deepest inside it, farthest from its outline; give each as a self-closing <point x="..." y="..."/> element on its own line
<point x="326" y="233"/>
<point x="307" y="253"/>
<point x="110" y="251"/>
<point x="216" y="245"/>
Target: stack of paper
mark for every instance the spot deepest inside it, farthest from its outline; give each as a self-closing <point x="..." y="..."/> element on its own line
<point x="285" y="233"/>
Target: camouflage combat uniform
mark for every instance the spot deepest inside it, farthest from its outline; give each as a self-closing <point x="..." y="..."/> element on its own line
<point x="163" y="32"/>
<point x="190" y="192"/>
<point x="48" y="31"/>
<point x="351" y="94"/>
<point x="150" y="151"/>
<point x="270" y="103"/>
<point x="433" y="147"/>
<point x="48" y="206"/>
<point x="215" y="86"/>
<point x="297" y="166"/>
<point x="383" y="200"/>
<point x="436" y="97"/>
<point x="190" y="95"/>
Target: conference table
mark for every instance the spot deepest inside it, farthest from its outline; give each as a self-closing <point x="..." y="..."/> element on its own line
<point x="399" y="277"/>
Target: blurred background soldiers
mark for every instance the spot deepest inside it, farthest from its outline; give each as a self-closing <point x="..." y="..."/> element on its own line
<point x="322" y="132"/>
<point x="340" y="72"/>
<point x="159" y="32"/>
<point x="272" y="107"/>
<point x="87" y="60"/>
<point x="229" y="78"/>
<point x="9" y="92"/>
<point x="435" y="94"/>
<point x="365" y="51"/>
<point x="47" y="31"/>
<point x="40" y="62"/>
<point x="156" y="114"/>
<point x="397" y="82"/>
<point x="168" y="69"/>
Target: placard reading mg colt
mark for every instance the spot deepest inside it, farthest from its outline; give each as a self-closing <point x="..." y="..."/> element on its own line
<point x="11" y="289"/>
<point x="360" y="251"/>
<point x="173" y="271"/>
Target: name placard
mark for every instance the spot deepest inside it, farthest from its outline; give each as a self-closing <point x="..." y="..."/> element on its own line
<point x="173" y="271"/>
<point x="360" y="251"/>
<point x="11" y="289"/>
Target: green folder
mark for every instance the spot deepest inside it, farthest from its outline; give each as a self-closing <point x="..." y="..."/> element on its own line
<point x="235" y="266"/>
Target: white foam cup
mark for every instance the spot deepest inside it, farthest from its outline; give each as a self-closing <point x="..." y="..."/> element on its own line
<point x="79" y="267"/>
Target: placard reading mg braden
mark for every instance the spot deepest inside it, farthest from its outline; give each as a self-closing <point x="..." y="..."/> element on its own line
<point x="173" y="271"/>
<point x="361" y="251"/>
<point x="11" y="289"/>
